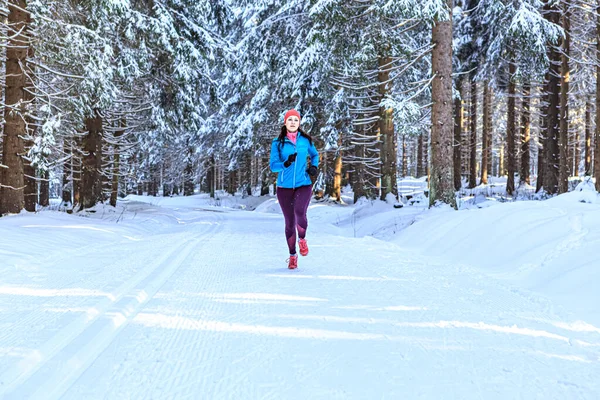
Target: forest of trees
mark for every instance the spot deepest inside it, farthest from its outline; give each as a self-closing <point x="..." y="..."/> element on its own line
<point x="103" y="98"/>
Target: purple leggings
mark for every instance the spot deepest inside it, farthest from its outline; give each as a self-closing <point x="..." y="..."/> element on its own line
<point x="294" y="203"/>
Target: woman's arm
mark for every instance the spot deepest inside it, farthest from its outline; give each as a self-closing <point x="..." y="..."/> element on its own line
<point x="276" y="163"/>
<point x="314" y="155"/>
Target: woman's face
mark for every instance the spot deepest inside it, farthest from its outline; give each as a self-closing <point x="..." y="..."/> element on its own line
<point x="292" y="123"/>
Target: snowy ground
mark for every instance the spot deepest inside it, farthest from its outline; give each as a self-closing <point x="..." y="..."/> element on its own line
<point x="190" y="298"/>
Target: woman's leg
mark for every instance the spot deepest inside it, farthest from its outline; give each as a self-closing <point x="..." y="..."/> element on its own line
<point x="286" y="202"/>
<point x="302" y="200"/>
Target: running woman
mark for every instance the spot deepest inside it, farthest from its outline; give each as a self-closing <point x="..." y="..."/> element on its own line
<point x="289" y="152"/>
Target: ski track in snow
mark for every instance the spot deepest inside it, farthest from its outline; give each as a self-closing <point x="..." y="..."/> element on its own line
<point x="209" y="311"/>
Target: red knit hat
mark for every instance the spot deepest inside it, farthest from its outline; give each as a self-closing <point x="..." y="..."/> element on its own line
<point x="290" y="113"/>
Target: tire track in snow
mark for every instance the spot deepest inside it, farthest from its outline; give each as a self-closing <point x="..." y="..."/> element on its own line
<point x="64" y="368"/>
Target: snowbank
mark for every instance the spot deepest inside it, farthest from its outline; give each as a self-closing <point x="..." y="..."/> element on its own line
<point x="550" y="247"/>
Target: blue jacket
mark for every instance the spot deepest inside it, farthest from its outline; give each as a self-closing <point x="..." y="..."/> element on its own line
<point x="295" y="175"/>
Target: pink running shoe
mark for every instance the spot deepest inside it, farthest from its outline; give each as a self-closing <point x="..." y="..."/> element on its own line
<point x="293" y="262"/>
<point x="303" y="247"/>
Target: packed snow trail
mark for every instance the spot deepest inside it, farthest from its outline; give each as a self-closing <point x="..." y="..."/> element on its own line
<point x="206" y="309"/>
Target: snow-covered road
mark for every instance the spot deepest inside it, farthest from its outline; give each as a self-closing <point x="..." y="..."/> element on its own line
<point x="203" y="307"/>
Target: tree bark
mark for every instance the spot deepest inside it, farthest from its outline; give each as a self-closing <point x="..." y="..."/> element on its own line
<point x="458" y="133"/>
<point x="576" y="153"/>
<point x="213" y="174"/>
<point x="420" y="163"/>
<point x="524" y="175"/>
<point x="563" y="173"/>
<point x="426" y="159"/>
<point x="510" y="130"/>
<point x="485" y="134"/>
<point x="76" y="167"/>
<point x="67" y="179"/>
<point x="114" y="190"/>
<point x="12" y="178"/>
<point x="597" y="135"/>
<point x="489" y="103"/>
<point x="337" y="174"/>
<point x="45" y="188"/>
<point x="188" y="184"/>
<point x="543" y="134"/>
<point x="31" y="192"/>
<point x="473" y="141"/>
<point x="588" y="138"/>
<point x="389" y="146"/>
<point x="551" y="173"/>
<point x="442" y="183"/>
<point x="90" y="174"/>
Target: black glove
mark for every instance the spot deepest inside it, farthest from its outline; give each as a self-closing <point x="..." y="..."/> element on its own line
<point x="290" y="160"/>
<point x="312" y="170"/>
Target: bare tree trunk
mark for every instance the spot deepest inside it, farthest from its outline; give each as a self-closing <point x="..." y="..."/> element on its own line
<point x="510" y="130"/>
<point x="563" y="174"/>
<point x="188" y="173"/>
<point x="90" y="176"/>
<point x="426" y="154"/>
<point x="231" y="187"/>
<point x="442" y="183"/>
<point x="597" y="138"/>
<point x="389" y="146"/>
<point x="458" y="134"/>
<point x="404" y="167"/>
<point x="77" y="167"/>
<point x="543" y="135"/>
<point x="588" y="138"/>
<point x="265" y="177"/>
<point x="473" y="141"/>
<point x="576" y="153"/>
<point x="337" y="174"/>
<point x="67" y="179"/>
<point x="31" y="192"/>
<point x="213" y="175"/>
<point x="501" y="161"/>
<point x="420" y="144"/>
<point x="489" y="103"/>
<point x="551" y="174"/>
<point x="360" y="181"/>
<point x="485" y="134"/>
<point x="12" y="180"/>
<point x="114" y="190"/>
<point x="524" y="177"/>
<point x="45" y="188"/>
